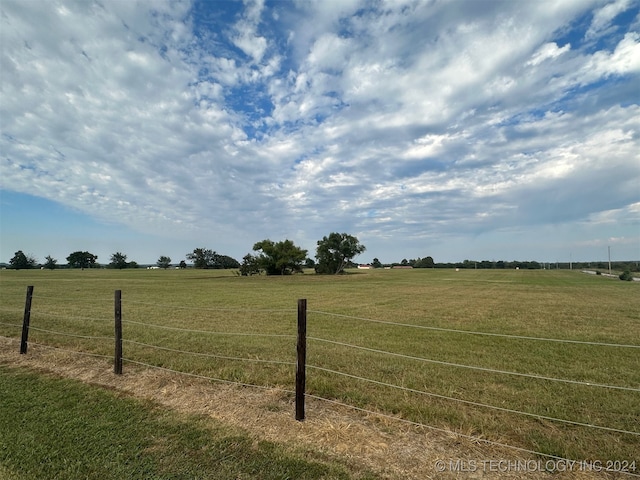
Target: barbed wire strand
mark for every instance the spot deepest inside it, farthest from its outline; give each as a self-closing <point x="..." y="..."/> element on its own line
<point x="70" y="351"/>
<point x="471" y="367"/>
<point x="10" y="309"/>
<point x="450" y="432"/>
<point x="215" y="309"/>
<point x="210" y="331"/>
<point x="211" y="355"/>
<point x="205" y="377"/>
<point x="469" y="332"/>
<point x="91" y="337"/>
<point x="69" y="317"/>
<point x="468" y="402"/>
<point x="66" y="299"/>
<point x="11" y="324"/>
<point x="379" y="414"/>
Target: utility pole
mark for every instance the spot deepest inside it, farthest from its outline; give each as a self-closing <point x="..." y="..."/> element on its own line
<point x="609" y="248"/>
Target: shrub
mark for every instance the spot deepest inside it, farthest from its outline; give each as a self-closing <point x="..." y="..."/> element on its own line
<point x="626" y="276"/>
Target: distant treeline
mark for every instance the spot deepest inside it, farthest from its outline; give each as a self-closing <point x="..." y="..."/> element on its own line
<point x="633" y="266"/>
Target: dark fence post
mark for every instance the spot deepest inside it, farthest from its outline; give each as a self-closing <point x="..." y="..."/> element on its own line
<point x="117" y="361"/>
<point x="26" y="320"/>
<point x="301" y="358"/>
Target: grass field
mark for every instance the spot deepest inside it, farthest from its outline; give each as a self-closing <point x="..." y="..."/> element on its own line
<point x="63" y="429"/>
<point x="542" y="304"/>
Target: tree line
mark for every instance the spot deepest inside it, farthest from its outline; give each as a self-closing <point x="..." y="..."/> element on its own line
<point x="334" y="253"/>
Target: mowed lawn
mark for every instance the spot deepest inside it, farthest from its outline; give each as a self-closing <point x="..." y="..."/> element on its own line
<point x="369" y="330"/>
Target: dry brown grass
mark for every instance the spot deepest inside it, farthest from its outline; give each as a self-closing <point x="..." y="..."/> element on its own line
<point x="363" y="441"/>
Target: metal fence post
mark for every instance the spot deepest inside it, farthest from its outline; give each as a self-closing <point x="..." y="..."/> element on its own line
<point x="117" y="360"/>
<point x="301" y="358"/>
<point x="26" y="320"/>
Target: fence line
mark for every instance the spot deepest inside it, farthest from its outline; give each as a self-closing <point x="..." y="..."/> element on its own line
<point x="484" y="369"/>
<point x="93" y="300"/>
<point x="9" y="309"/>
<point x="43" y="345"/>
<point x="11" y="324"/>
<point x="458" y="434"/>
<point x="469" y="332"/>
<point x="211" y="355"/>
<point x="214" y="309"/>
<point x="205" y="377"/>
<point x="70" y="317"/>
<point x="91" y="337"/>
<point x="434" y="395"/>
<point x="468" y="402"/>
<point x="283" y="335"/>
<point x="344" y="405"/>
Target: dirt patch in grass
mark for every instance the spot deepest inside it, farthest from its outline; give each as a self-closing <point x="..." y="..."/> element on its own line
<point x="356" y="439"/>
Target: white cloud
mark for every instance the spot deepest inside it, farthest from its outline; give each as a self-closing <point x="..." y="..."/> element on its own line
<point x="548" y="51"/>
<point x="406" y="119"/>
<point x="603" y="16"/>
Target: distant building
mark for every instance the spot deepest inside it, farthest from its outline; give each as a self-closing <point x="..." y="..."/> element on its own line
<point x="364" y="267"/>
<point x="402" y="266"/>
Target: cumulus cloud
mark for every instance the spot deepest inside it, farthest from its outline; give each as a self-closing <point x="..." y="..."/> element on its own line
<point x="390" y="120"/>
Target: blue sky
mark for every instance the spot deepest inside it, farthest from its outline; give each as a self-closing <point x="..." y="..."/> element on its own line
<point x="456" y="129"/>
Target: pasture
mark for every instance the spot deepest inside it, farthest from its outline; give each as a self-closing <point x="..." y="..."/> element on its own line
<point x="545" y="361"/>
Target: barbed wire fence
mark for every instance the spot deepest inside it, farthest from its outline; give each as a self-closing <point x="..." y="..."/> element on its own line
<point x="300" y="365"/>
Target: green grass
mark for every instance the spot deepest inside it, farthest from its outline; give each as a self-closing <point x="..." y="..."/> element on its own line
<point x="62" y="429"/>
<point x="545" y="304"/>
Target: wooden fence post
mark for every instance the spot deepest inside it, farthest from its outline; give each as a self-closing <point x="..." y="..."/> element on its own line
<point x="26" y="319"/>
<point x="117" y="360"/>
<point x="301" y="358"/>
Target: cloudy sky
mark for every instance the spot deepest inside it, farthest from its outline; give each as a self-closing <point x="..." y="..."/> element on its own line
<point x="464" y="129"/>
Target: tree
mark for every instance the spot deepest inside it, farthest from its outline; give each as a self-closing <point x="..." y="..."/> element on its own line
<point x="376" y="263"/>
<point x="426" y="262"/>
<point x="118" y="260"/>
<point x="225" y="261"/>
<point x="82" y="260"/>
<point x="201" y="257"/>
<point x="250" y="265"/>
<point x="20" y="261"/>
<point x="626" y="275"/>
<point x="183" y="264"/>
<point x="336" y="251"/>
<point x="205" y="258"/>
<point x="164" y="262"/>
<point x="50" y="263"/>
<point x="281" y="258"/>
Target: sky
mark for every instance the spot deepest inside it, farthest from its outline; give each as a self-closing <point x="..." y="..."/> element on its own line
<point x="462" y="129"/>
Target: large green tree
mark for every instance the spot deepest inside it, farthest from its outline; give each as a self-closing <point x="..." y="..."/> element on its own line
<point x="20" y="261"/>
<point x="201" y="257"/>
<point x="82" y="260"/>
<point x="280" y="258"/>
<point x="164" y="262"/>
<point x="118" y="260"/>
<point x="335" y="251"/>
